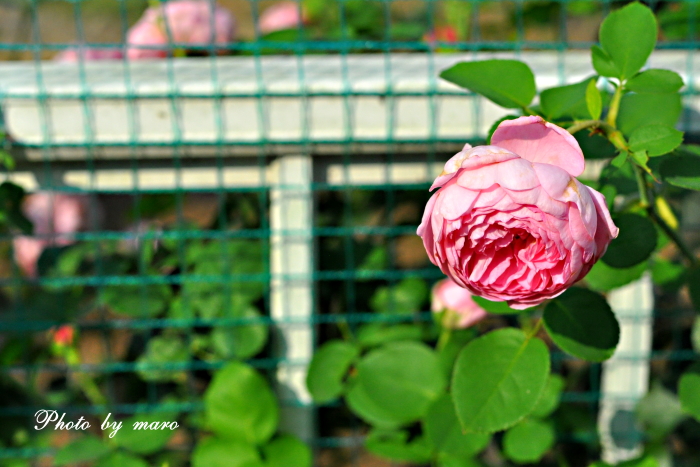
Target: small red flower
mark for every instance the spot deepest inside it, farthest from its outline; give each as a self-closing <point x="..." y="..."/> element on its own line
<point x="64" y="335"/>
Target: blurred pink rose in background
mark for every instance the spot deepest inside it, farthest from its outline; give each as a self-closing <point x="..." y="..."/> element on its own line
<point x="441" y="34"/>
<point x="280" y="16"/>
<point x="74" y="54"/>
<point x="447" y="295"/>
<point x="188" y="22"/>
<point x="511" y="222"/>
<point x="55" y="217"/>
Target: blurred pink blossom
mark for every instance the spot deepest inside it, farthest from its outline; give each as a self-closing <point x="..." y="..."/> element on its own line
<point x="464" y="311"/>
<point x="280" y="16"/>
<point x="188" y="22"/>
<point x="441" y="34"/>
<point x="55" y="217"/>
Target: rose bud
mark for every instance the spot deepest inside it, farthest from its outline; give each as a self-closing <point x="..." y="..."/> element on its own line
<point x="461" y="310"/>
<point x="511" y="222"/>
<point x="280" y="16"/>
<point x="64" y="335"/>
<point x="188" y="22"/>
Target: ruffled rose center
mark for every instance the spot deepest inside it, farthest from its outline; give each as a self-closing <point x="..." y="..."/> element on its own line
<point x="506" y="254"/>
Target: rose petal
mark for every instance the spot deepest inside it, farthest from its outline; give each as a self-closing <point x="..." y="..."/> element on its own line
<point x="536" y="140"/>
<point x="471" y="158"/>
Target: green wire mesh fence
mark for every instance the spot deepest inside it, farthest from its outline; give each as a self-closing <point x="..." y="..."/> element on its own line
<point x="252" y="196"/>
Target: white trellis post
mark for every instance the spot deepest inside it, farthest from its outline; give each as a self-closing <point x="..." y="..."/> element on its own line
<point x="625" y="378"/>
<point x="291" y="294"/>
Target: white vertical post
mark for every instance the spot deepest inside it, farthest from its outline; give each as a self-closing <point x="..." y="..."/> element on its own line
<point x="625" y="378"/>
<point x="291" y="256"/>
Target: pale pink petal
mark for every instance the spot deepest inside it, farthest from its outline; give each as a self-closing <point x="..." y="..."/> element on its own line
<point x="472" y="158"/>
<point x="536" y="140"/>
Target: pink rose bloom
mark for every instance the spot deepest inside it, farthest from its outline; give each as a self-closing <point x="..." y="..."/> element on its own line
<point x="73" y="55"/>
<point x="511" y="222"/>
<point x="280" y="16"/>
<point x="188" y="22"/>
<point x="447" y="295"/>
<point x="55" y="216"/>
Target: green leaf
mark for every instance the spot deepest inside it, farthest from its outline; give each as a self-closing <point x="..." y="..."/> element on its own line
<point x="160" y="352"/>
<point x="121" y="459"/>
<point x="394" y="445"/>
<point x="622" y="178"/>
<point x="602" y="63"/>
<point x="689" y="391"/>
<point x="387" y="392"/>
<point x="445" y="460"/>
<point x="85" y="449"/>
<point x="604" y="278"/>
<point x="287" y="451"/>
<point x="327" y="370"/>
<point x="137" y="435"/>
<point x="582" y="323"/>
<point x="681" y="169"/>
<point x="213" y="452"/>
<point x="594" y="102"/>
<point x="620" y="160"/>
<point x="666" y="273"/>
<point x="374" y="334"/>
<point x="549" y="400"/>
<point x="500" y="308"/>
<point x="143" y="301"/>
<point x="655" y="81"/>
<point x="695" y="335"/>
<point x="449" y="352"/>
<point x="569" y="100"/>
<point x="508" y="83"/>
<point x="442" y="427"/>
<point x="241" y="340"/>
<point x="641" y="158"/>
<point x="637" y="110"/>
<point x="656" y="140"/>
<point x="595" y="146"/>
<point x="635" y="242"/>
<point x="408" y="296"/>
<point x="628" y="35"/>
<point x="694" y="287"/>
<point x="659" y="412"/>
<point x="239" y="404"/>
<point x="498" y="379"/>
<point x="528" y="441"/>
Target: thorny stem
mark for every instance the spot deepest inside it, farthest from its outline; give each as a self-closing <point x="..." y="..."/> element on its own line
<point x="443" y="338"/>
<point x="642" y="187"/>
<point x="615" y="106"/>
<point x="614" y="135"/>
<point x="535" y="329"/>
<point x="84" y="380"/>
<point x="582" y="125"/>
